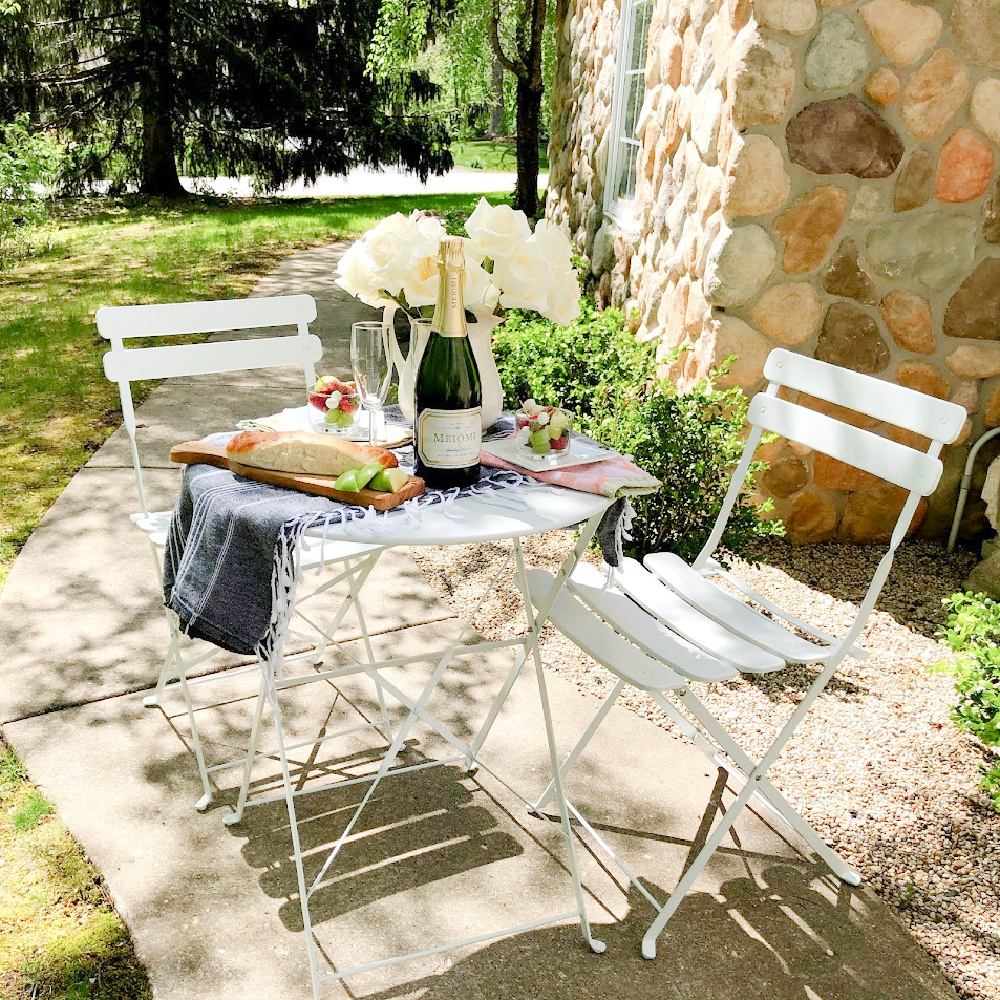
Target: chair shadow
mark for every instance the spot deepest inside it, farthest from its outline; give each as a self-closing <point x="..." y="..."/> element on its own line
<point x="773" y="937"/>
<point x="417" y="828"/>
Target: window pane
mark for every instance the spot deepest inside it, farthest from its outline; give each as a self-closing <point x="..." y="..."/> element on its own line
<point x="636" y="91"/>
<point x="626" y="185"/>
<point x="643" y="15"/>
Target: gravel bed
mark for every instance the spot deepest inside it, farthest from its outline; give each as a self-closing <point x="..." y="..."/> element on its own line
<point x="877" y="768"/>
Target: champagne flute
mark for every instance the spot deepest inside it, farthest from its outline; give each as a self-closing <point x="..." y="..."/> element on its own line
<point x="370" y="361"/>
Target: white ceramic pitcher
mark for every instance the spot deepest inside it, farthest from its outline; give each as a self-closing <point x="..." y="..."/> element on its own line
<point x="481" y="339"/>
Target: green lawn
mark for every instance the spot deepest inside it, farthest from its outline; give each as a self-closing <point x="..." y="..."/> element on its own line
<point x="60" y="936"/>
<point x="56" y="407"/>
<point x="493" y="154"/>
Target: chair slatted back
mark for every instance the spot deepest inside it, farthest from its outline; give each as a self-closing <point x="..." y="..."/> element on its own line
<point x="915" y="471"/>
<point x="125" y="365"/>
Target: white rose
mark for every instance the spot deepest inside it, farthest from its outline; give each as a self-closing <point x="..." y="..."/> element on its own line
<point x="420" y="282"/>
<point x="497" y="229"/>
<point x="386" y="238"/>
<point x="555" y="246"/>
<point x="426" y="227"/>
<point x="481" y="295"/>
<point x="564" y="300"/>
<point x="524" y="278"/>
<point x="355" y="275"/>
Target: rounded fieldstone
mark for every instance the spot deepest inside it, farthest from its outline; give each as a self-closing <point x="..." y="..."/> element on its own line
<point x="991" y="412"/>
<point x="706" y="114"/>
<point x="796" y="17"/>
<point x="761" y="81"/>
<point x="933" y="94"/>
<point x="985" y="108"/>
<point x="789" y="312"/>
<point x="915" y="183"/>
<point x="924" y="378"/>
<point x="991" y="215"/>
<point x="902" y="31"/>
<point x="883" y="86"/>
<point x="758" y="183"/>
<point x="869" y="204"/>
<point x="977" y="25"/>
<point x="832" y="474"/>
<point x="809" y="227"/>
<point x="812" y="517"/>
<point x="871" y="513"/>
<point x="785" y="478"/>
<point x="908" y="317"/>
<point x="850" y="338"/>
<point x="974" y="310"/>
<point x="934" y="249"/>
<point x="836" y="56"/>
<point x="751" y="348"/>
<point x="965" y="168"/>
<point x="845" y="277"/>
<point x="843" y="136"/>
<point x="739" y="262"/>
<point x="975" y="361"/>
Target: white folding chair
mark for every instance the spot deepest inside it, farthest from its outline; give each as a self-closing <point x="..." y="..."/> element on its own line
<point x="126" y="365"/>
<point x="660" y="625"/>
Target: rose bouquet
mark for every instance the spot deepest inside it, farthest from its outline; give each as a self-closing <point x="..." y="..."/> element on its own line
<point x="507" y="266"/>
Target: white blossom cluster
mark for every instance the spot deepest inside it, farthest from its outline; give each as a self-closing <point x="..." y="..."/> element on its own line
<point x="506" y="265"/>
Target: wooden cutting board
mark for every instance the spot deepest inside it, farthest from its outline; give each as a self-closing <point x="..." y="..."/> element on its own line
<point x="202" y="453"/>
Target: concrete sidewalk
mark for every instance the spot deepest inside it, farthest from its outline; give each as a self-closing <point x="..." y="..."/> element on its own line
<point x="440" y="854"/>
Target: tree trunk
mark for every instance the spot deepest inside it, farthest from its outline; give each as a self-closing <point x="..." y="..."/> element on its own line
<point x="158" y="168"/>
<point x="497" y="111"/>
<point x="529" y="106"/>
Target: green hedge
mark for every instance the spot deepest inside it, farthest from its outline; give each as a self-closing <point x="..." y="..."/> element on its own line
<point x="690" y="441"/>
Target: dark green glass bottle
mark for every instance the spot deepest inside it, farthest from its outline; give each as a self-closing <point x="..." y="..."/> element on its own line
<point x="447" y="416"/>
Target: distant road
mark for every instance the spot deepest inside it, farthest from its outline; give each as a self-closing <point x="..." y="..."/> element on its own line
<point x="365" y="182"/>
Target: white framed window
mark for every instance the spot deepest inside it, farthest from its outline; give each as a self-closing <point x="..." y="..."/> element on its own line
<point x="626" y="105"/>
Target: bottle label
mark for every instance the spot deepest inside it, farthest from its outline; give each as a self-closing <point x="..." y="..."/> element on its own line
<point x="449" y="439"/>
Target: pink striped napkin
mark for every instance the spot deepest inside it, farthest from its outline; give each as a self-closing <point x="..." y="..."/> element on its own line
<point x="614" y="476"/>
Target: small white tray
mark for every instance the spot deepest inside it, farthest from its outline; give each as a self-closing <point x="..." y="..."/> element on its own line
<point x="579" y="453"/>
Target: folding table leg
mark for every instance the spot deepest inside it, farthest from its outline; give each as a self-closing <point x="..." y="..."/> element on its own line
<point x="536" y="620"/>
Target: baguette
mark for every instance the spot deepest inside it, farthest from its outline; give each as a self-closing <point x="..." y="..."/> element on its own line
<point x="302" y="451"/>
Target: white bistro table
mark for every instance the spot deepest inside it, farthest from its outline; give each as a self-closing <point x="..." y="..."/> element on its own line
<point x="511" y="513"/>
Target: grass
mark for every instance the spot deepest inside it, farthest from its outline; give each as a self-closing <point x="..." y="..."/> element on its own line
<point x="60" y="936"/>
<point x="493" y="154"/>
<point x="56" y="408"/>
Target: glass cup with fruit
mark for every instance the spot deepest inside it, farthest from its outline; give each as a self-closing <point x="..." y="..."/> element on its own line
<point x="543" y="431"/>
<point x="333" y="405"/>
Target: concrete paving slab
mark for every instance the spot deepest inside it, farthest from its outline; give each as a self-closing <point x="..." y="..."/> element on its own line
<point x="212" y="910"/>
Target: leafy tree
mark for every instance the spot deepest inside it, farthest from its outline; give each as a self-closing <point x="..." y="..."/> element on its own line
<point x="145" y="88"/>
<point x="516" y="32"/>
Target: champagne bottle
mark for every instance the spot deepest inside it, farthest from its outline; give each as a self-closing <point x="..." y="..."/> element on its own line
<point x="447" y="425"/>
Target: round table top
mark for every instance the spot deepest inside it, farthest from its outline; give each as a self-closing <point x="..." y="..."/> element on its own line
<point x="507" y="512"/>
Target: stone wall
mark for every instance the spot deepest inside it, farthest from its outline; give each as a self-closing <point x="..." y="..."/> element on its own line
<point x="816" y="176"/>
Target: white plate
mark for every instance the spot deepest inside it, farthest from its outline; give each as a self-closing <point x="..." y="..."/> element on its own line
<point x="579" y="453"/>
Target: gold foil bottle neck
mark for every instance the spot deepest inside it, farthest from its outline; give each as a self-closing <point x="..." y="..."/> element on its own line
<point x="449" y="312"/>
<point x="452" y="252"/>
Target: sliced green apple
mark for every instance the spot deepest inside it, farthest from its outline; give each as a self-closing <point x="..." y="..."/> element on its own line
<point x="389" y="480"/>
